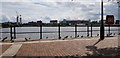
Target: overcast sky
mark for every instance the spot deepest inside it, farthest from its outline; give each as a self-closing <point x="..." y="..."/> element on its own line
<point x="34" y="10"/>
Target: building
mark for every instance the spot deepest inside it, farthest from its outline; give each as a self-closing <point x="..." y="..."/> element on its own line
<point x="85" y="21"/>
<point x="117" y="22"/>
<point x="53" y="21"/>
<point x="32" y="23"/>
<point x="39" y="23"/>
<point x="20" y="19"/>
<point x="73" y="22"/>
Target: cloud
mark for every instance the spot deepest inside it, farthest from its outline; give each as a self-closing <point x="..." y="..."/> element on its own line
<point x="41" y="10"/>
<point x="5" y="18"/>
<point x="111" y="9"/>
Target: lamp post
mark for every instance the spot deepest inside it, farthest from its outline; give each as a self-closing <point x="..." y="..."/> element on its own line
<point x="102" y="23"/>
<point x="101" y="26"/>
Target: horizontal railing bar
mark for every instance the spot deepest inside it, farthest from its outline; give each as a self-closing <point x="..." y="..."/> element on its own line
<point x="54" y="31"/>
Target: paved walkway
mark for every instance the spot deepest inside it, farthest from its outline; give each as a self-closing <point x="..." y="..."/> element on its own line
<point x="57" y="47"/>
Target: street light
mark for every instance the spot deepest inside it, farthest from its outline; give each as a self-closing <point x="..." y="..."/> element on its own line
<point x="102" y="23"/>
<point x="101" y="26"/>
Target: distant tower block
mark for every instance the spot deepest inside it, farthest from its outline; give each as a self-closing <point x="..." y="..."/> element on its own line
<point x="17" y="19"/>
<point x="20" y="20"/>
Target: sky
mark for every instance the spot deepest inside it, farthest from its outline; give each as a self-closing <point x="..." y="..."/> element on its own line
<point x="46" y="10"/>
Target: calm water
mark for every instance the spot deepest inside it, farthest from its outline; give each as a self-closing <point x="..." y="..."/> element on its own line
<point x="52" y="32"/>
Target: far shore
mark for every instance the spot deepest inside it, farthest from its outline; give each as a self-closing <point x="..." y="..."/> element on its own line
<point x="94" y="25"/>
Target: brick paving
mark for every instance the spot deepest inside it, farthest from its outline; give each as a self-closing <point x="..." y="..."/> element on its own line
<point x="63" y="48"/>
<point x="4" y="48"/>
<point x="12" y="50"/>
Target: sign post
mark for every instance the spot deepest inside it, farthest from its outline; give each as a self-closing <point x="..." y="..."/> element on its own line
<point x="109" y="21"/>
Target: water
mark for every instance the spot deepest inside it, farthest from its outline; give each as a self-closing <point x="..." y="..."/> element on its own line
<point x="52" y="32"/>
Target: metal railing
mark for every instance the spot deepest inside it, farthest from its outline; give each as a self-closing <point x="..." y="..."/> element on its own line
<point x="89" y="32"/>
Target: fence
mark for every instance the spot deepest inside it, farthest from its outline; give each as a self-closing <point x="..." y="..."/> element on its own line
<point x="88" y="31"/>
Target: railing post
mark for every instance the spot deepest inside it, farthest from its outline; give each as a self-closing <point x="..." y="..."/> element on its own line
<point x="59" y="31"/>
<point x="40" y="29"/>
<point x="87" y="30"/>
<point x="14" y="32"/>
<point x="11" y="33"/>
<point x="75" y="31"/>
<point x="109" y="30"/>
<point x="91" y="30"/>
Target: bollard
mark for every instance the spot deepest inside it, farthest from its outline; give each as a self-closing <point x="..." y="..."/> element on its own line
<point x="14" y="32"/>
<point x="91" y="30"/>
<point x="59" y="31"/>
<point x="75" y="31"/>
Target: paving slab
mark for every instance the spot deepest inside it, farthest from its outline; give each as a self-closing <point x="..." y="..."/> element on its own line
<point x="12" y="50"/>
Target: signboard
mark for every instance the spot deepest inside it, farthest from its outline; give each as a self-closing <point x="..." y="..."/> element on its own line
<point x="109" y="19"/>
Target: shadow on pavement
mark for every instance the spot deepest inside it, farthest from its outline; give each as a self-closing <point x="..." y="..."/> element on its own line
<point x="105" y="52"/>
